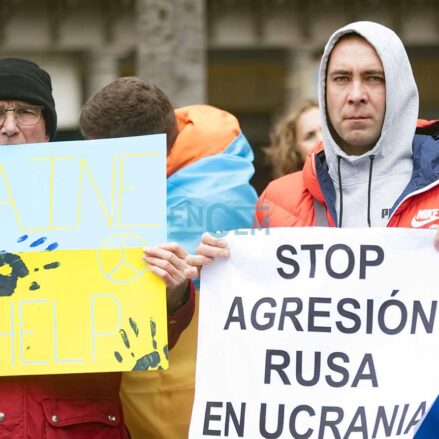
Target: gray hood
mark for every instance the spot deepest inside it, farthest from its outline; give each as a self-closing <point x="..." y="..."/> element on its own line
<point x="392" y="166"/>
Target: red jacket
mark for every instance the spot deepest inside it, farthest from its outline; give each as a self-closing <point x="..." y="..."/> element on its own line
<point x="289" y="200"/>
<point x="61" y="406"/>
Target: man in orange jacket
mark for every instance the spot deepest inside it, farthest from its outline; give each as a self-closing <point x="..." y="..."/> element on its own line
<point x="373" y="168"/>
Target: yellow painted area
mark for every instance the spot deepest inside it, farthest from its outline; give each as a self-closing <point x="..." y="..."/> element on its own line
<point x="71" y="318"/>
<point x="5" y="270"/>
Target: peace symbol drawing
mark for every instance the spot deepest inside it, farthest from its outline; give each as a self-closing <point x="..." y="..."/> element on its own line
<point x="120" y="257"/>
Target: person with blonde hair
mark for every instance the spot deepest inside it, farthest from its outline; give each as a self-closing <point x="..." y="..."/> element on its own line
<point x="293" y="136"/>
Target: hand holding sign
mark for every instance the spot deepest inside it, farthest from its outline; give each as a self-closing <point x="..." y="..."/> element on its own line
<point x="209" y="249"/>
<point x="167" y="261"/>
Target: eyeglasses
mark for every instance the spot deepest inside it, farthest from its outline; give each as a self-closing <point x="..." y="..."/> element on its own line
<point x="26" y="116"/>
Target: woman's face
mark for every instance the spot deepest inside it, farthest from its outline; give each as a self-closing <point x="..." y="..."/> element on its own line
<point x="308" y="131"/>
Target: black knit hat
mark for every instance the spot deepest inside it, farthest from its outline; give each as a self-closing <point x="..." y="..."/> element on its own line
<point x="23" y="80"/>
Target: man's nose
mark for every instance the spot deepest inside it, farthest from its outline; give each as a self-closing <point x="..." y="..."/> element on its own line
<point x="10" y="125"/>
<point x="357" y="92"/>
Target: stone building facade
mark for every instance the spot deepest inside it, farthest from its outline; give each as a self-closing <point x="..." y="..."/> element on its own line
<point x="252" y="57"/>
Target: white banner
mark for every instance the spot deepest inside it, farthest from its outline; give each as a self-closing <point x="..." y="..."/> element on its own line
<point x="318" y="333"/>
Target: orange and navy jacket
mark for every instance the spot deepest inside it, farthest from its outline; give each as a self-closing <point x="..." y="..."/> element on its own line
<point x="203" y="131"/>
<point x="289" y="200"/>
<point x="208" y="190"/>
<point x="209" y="170"/>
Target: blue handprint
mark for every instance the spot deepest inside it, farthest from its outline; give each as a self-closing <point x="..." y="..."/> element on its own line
<point x="18" y="269"/>
<point x="151" y="360"/>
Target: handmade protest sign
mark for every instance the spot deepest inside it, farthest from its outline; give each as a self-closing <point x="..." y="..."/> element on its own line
<point x="318" y="333"/>
<point x="75" y="294"/>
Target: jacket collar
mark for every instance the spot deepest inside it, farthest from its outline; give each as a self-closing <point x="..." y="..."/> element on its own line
<point x="425" y="171"/>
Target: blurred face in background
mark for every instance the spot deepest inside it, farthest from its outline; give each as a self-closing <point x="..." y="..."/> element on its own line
<point x="308" y="131"/>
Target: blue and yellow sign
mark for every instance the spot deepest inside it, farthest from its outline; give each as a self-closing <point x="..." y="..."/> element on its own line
<point x="75" y="294"/>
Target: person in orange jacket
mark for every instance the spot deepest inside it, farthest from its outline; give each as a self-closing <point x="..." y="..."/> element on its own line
<point x="374" y="168"/>
<point x="209" y="165"/>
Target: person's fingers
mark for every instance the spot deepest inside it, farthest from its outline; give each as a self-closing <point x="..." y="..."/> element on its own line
<point x="174" y="248"/>
<point x="211" y="240"/>
<point x="160" y="253"/>
<point x="198" y="260"/>
<point x="192" y="272"/>
<point x="166" y="266"/>
<point x="211" y="251"/>
<point x="162" y="274"/>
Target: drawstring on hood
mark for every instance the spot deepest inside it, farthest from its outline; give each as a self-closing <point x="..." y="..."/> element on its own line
<point x="340" y="189"/>
<point x="369" y="190"/>
<point x="340" y="192"/>
<point x="391" y="156"/>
